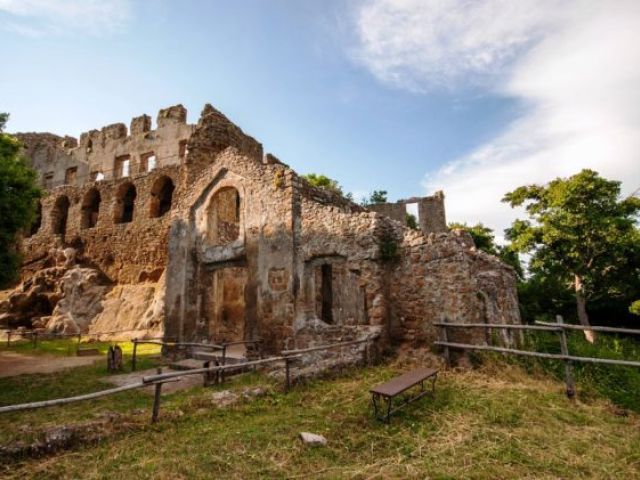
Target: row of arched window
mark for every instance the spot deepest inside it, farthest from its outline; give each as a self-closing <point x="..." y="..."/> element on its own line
<point x="123" y="212"/>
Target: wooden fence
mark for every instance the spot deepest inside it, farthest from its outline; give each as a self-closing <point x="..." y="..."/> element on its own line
<point x="157" y="380"/>
<point x="559" y="327"/>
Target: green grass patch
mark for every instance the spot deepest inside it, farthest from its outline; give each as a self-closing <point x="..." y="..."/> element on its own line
<point x="495" y="423"/>
<point x="69" y="346"/>
<point x="618" y="383"/>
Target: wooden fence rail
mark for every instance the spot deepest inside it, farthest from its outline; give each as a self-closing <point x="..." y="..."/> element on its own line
<point x="560" y="327"/>
<point x="157" y="380"/>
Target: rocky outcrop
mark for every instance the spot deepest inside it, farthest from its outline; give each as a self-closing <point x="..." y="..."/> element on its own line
<point x="134" y="310"/>
<point x="82" y="291"/>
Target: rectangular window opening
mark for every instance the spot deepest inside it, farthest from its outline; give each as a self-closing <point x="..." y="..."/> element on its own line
<point x="412" y="216"/>
<point x="70" y="176"/>
<point x="327" y="293"/>
<point x="122" y="166"/>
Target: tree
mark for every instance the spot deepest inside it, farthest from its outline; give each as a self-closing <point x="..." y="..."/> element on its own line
<point x="581" y="232"/>
<point x="482" y="236"/>
<point x="18" y="201"/>
<point x="411" y="221"/>
<point x="322" y="181"/>
<point x="635" y="307"/>
<point x="378" y="196"/>
<point x="484" y="239"/>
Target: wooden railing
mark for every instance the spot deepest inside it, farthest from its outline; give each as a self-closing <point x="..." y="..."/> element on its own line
<point x="157" y="380"/>
<point x="559" y="327"/>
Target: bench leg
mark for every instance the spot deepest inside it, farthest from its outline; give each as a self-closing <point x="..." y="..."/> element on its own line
<point x="388" y="399"/>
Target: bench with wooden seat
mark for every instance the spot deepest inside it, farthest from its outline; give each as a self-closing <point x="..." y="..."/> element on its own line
<point x="389" y="390"/>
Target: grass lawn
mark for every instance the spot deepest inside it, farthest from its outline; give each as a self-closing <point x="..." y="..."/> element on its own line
<point x="495" y="422"/>
<point x="68" y="346"/>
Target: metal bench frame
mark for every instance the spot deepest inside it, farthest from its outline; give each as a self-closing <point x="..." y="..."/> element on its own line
<point x="378" y="398"/>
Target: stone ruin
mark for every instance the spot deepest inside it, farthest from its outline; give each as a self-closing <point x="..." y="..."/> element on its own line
<point x="192" y="232"/>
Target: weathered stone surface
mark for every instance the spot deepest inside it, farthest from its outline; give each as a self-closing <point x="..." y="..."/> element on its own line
<point x="206" y="238"/>
<point x="82" y="291"/>
<point x="312" y="439"/>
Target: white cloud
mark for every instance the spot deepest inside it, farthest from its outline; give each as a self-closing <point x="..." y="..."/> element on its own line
<point x="575" y="64"/>
<point x="43" y="17"/>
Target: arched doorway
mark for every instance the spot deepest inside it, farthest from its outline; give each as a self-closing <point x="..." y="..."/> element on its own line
<point x="90" y="208"/>
<point x="59" y="215"/>
<point x="125" y="203"/>
<point x="161" y="197"/>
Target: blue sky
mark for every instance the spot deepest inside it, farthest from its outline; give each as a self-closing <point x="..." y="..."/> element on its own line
<point x="409" y="96"/>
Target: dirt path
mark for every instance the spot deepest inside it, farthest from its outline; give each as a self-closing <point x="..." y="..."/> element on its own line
<point x="13" y="363"/>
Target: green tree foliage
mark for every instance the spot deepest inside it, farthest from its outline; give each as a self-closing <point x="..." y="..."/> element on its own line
<point x="18" y="200"/>
<point x="581" y="235"/>
<point x="484" y="240"/>
<point x="482" y="236"/>
<point x="635" y="307"/>
<point x="378" y="196"/>
<point x="411" y="221"/>
<point x="322" y="181"/>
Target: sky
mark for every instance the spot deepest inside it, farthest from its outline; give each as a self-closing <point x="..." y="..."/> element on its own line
<point x="409" y="96"/>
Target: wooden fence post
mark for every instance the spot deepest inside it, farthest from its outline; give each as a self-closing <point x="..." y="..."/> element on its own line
<point x="224" y="361"/>
<point x="9" y="338"/>
<point x="287" y="374"/>
<point x="156" y="399"/>
<point x="34" y="339"/>
<point x="133" y="357"/>
<point x="445" y="338"/>
<point x="78" y="344"/>
<point x="568" y="366"/>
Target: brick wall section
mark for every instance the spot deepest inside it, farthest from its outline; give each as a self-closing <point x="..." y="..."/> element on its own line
<point x="442" y="276"/>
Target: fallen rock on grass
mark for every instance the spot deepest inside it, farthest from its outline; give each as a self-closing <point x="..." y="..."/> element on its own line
<point x="313" y="439"/>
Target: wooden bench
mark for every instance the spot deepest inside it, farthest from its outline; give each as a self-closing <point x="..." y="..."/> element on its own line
<point x="394" y="387"/>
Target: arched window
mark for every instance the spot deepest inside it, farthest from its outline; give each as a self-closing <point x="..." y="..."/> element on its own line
<point x="161" y="197"/>
<point x="125" y="202"/>
<point x="223" y="217"/>
<point x="59" y="215"/>
<point x="37" y="221"/>
<point x="90" y="208"/>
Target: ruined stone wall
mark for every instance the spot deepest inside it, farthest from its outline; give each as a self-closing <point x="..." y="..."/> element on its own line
<point x="126" y="252"/>
<point x="431" y="212"/>
<point x="49" y="155"/>
<point x="443" y="277"/>
<point x="102" y="154"/>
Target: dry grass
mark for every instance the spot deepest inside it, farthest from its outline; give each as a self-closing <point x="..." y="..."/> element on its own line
<point x="497" y="422"/>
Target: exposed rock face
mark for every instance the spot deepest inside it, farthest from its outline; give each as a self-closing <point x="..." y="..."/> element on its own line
<point x="36" y="297"/>
<point x="134" y="310"/>
<point x="82" y="291"/>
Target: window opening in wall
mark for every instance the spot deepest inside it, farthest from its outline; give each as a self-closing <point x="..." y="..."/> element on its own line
<point x="125" y="204"/>
<point x="326" y="292"/>
<point x="90" y="209"/>
<point x="223" y="217"/>
<point x="183" y="150"/>
<point x="48" y="179"/>
<point x="70" y="176"/>
<point x="89" y="146"/>
<point x="412" y="216"/>
<point x="96" y="176"/>
<point x="121" y="166"/>
<point x="37" y="222"/>
<point x="147" y="162"/>
<point x="161" y="197"/>
<point x="59" y="216"/>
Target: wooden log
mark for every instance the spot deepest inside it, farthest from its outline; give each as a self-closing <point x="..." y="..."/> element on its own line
<point x="445" y="338"/>
<point x="568" y="367"/>
<point x="630" y="331"/>
<point x="156" y="399"/>
<point x="326" y="347"/>
<point x="499" y="325"/>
